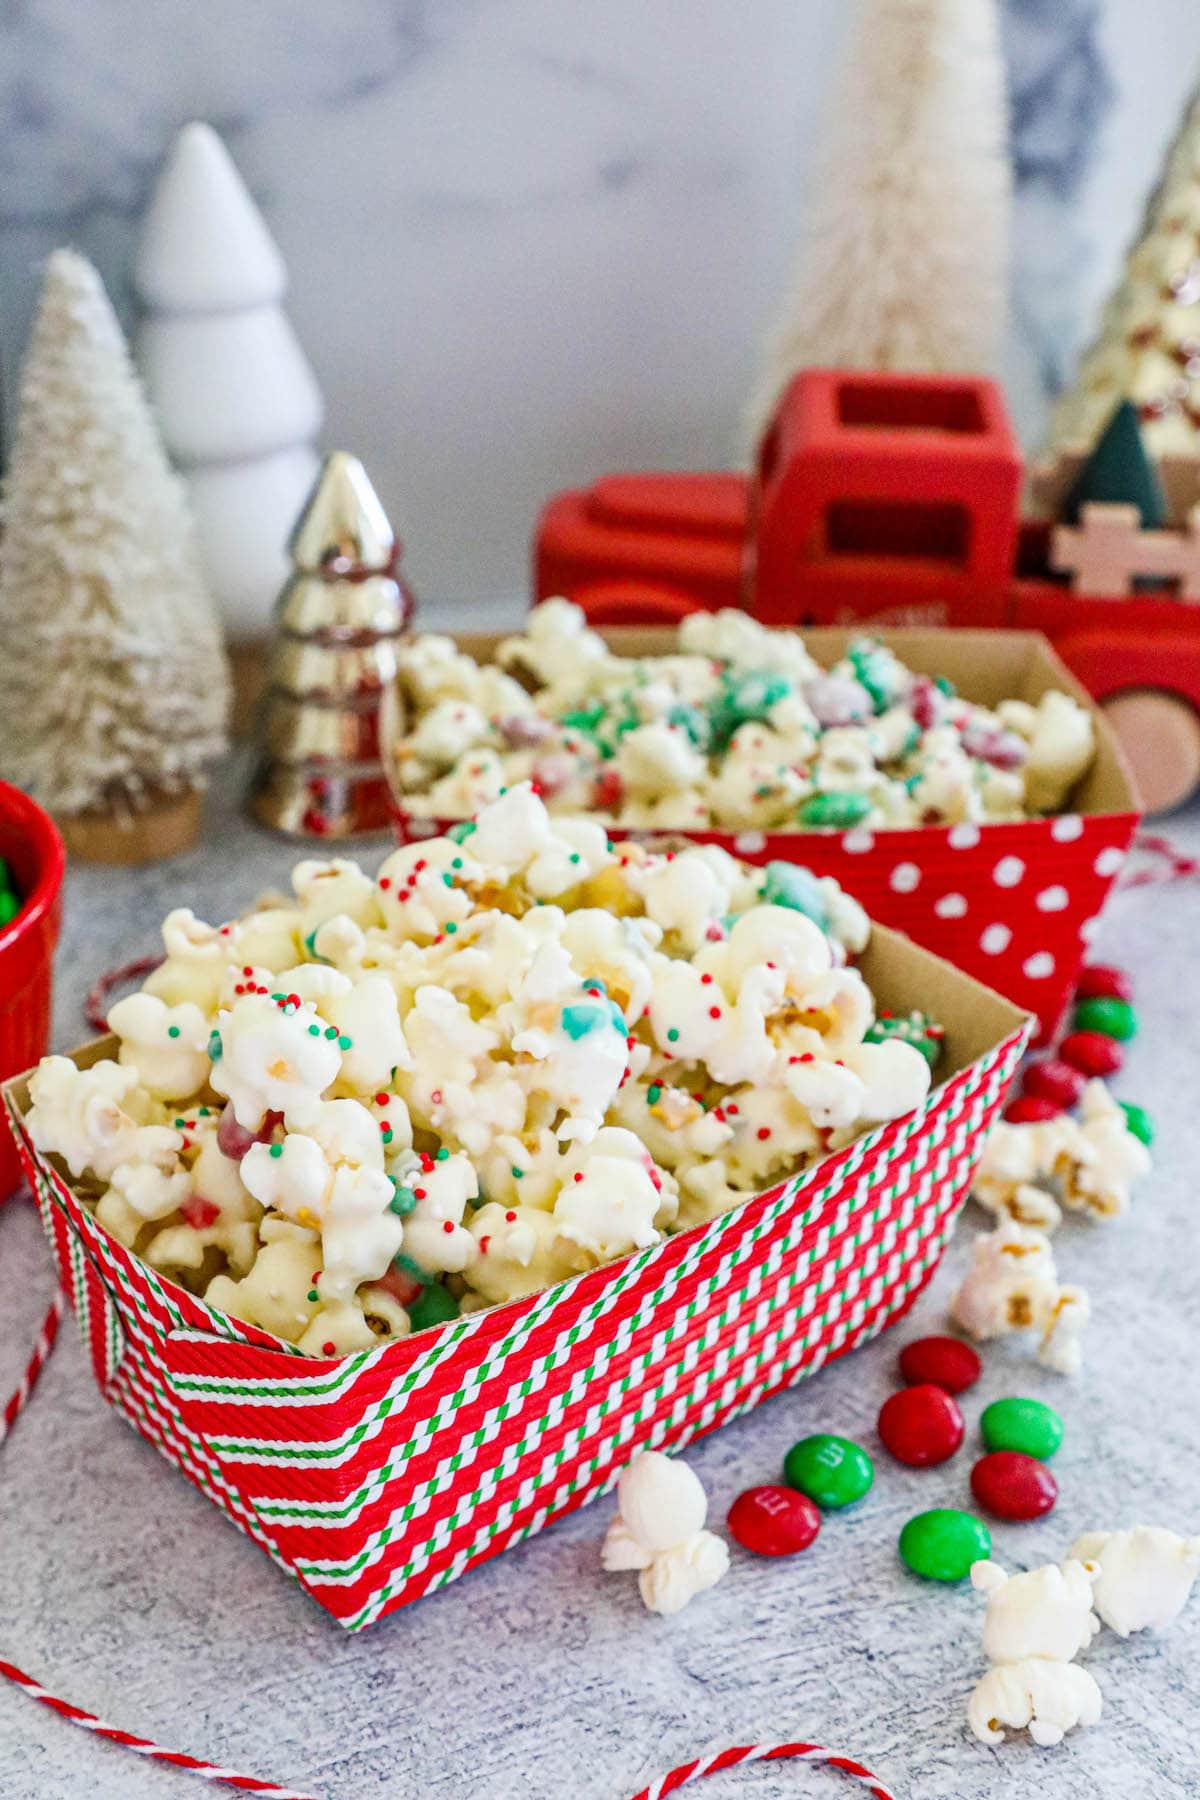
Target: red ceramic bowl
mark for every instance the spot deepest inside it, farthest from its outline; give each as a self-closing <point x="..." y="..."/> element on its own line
<point x="33" y="850"/>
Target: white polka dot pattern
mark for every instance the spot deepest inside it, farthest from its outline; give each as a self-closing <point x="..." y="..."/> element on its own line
<point x="1066" y="829"/>
<point x="951" y="906"/>
<point x="1039" y="965"/>
<point x="1109" y="860"/>
<point x="859" y="841"/>
<point x="995" y="939"/>
<point x="963" y="837"/>
<point x="1008" y="871"/>
<point x="749" y="843"/>
<point x="904" y="878"/>
<point x="1053" y="899"/>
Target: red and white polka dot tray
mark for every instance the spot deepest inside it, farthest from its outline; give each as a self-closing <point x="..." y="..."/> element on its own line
<point x="1014" y="905"/>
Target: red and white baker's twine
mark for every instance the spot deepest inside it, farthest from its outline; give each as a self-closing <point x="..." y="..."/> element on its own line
<point x="38" y="1356"/>
<point x="251" y="1784"/>
<point x="95" y="1005"/>
<point x="247" y="1784"/>
<point x="1165" y="862"/>
<point x="748" y="1753"/>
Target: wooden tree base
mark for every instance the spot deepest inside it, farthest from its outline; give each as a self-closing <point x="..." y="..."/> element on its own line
<point x="167" y="827"/>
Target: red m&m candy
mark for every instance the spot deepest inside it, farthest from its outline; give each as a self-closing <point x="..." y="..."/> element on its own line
<point x="1091" y="1053"/>
<point x="921" y="1425"/>
<point x="1053" y="1080"/>
<point x="1103" y="982"/>
<point x="944" y="1362"/>
<point x="773" y="1521"/>
<point x="1030" y="1109"/>
<point x="1012" y="1486"/>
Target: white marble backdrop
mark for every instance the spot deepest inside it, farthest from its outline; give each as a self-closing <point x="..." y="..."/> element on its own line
<point x="531" y="240"/>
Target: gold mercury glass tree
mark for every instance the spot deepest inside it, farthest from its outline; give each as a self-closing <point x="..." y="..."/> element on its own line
<point x="319" y="772"/>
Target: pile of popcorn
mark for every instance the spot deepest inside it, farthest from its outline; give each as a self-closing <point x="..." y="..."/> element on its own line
<point x="740" y="728"/>
<point x="516" y="1053"/>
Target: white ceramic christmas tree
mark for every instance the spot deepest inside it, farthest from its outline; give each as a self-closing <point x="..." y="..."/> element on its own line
<point x="236" y="399"/>
<point x="905" y="264"/>
<point x="113" y="686"/>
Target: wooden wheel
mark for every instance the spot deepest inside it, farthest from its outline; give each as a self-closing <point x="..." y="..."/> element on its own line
<point x="1160" y="735"/>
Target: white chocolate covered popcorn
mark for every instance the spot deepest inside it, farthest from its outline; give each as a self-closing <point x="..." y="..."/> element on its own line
<point x="519" y="1052"/>
<point x="659" y="1531"/>
<point x="1145" y="1575"/>
<point x="91" y="1118"/>
<point x="167" y="1045"/>
<point x="272" y="1057"/>
<point x="736" y="728"/>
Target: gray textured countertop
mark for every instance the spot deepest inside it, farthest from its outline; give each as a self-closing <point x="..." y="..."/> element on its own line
<point x="537" y="1675"/>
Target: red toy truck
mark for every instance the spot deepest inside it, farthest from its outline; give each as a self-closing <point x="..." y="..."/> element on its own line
<point x="884" y="498"/>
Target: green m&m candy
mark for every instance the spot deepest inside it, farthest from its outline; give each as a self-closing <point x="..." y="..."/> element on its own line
<point x="433" y="1306"/>
<point x="1138" y="1120"/>
<point x="833" y="1471"/>
<point x="941" y="1545"/>
<point x="10" y="906"/>
<point x="1029" y="1426"/>
<point x="787" y="884"/>
<point x="836" y="810"/>
<point x="1112" y="1017"/>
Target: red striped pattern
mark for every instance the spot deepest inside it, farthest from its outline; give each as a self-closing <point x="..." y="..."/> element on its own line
<point x="178" y="1759"/>
<point x="38" y="1357"/>
<point x="748" y="1753"/>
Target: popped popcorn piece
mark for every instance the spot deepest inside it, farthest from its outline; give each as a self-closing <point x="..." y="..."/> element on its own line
<point x="1047" y="1699"/>
<point x="194" y="966"/>
<point x="327" y="890"/>
<point x="348" y="1203"/>
<point x="1062" y="743"/>
<point x="166" y="1045"/>
<point x="555" y="641"/>
<point x="88" y="1117"/>
<point x="1013" y="1285"/>
<point x="272" y="1057"/>
<point x="434" y="1234"/>
<point x="1061" y="1348"/>
<point x="1046" y="1612"/>
<point x="1096" y="1167"/>
<point x="1145" y="1575"/>
<point x="150" y="1192"/>
<point x="275" y="1293"/>
<point x="520" y="1250"/>
<point x="610" y="1196"/>
<point x="1035" y="1624"/>
<point x="659" y="1531"/>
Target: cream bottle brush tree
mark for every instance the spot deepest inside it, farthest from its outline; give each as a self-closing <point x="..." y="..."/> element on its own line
<point x="905" y="262"/>
<point x="113" y="685"/>
<point x="236" y="399"/>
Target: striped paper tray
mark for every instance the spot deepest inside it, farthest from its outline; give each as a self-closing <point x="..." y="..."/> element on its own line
<point x="1014" y="904"/>
<point x="377" y="1477"/>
